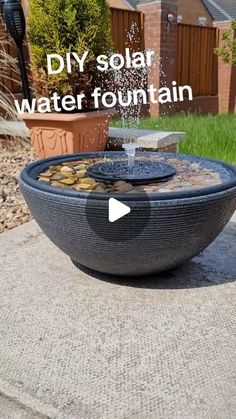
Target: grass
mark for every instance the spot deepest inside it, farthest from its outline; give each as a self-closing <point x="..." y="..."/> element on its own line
<point x="209" y="136"/>
<point x="8" y="73"/>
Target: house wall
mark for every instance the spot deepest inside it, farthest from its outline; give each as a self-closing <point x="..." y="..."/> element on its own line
<point x="119" y="4"/>
<point x="191" y="10"/>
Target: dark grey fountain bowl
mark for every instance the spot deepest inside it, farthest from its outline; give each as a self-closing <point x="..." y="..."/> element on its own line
<point x="180" y="224"/>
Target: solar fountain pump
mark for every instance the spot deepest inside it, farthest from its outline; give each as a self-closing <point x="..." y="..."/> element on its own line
<point x="135" y="171"/>
<point x="14" y="19"/>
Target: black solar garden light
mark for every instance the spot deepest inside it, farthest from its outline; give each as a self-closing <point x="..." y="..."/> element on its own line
<point x="1" y="6"/>
<point x="14" y="18"/>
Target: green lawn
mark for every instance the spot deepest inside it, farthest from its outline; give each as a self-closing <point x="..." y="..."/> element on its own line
<point x="210" y="136"/>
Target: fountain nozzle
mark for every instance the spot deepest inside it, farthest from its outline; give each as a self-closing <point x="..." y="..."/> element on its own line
<point x="130" y="149"/>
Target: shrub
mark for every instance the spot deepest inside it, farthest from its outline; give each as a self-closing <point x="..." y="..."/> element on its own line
<point x="62" y="26"/>
<point x="227" y="51"/>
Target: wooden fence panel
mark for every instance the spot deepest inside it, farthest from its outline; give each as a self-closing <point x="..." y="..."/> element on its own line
<point x="127" y="30"/>
<point x="196" y="61"/>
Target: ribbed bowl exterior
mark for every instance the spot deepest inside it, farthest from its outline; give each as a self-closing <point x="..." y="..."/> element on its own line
<point x="177" y="230"/>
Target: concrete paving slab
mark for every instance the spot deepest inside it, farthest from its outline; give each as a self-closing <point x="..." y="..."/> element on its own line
<point x="76" y="346"/>
<point x="11" y="409"/>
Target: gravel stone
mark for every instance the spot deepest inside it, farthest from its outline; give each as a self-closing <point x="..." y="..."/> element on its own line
<point x="13" y="209"/>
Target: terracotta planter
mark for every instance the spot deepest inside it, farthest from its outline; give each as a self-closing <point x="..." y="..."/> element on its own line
<point x="56" y="134"/>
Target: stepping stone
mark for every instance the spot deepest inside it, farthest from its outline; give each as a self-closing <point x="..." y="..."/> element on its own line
<point x="151" y="140"/>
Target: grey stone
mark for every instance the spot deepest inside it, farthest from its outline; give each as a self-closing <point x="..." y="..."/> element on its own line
<point x="75" y="346"/>
<point x="147" y="139"/>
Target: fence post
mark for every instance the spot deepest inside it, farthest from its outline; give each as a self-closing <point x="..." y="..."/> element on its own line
<point x="160" y="35"/>
<point x="226" y="77"/>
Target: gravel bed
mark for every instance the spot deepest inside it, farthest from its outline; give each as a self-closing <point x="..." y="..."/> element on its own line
<point x="13" y="209"/>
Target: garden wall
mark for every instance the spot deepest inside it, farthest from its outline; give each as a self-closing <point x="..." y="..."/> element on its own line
<point x="200" y="104"/>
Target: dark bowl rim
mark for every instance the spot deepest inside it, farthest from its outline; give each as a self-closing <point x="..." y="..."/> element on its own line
<point x="43" y="164"/>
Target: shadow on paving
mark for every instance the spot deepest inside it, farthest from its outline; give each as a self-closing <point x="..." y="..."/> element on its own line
<point x="215" y="266"/>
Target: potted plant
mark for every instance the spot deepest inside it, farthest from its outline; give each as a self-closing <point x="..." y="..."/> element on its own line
<point x="64" y="27"/>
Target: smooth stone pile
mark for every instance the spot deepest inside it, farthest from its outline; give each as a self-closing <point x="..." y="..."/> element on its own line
<point x="73" y="175"/>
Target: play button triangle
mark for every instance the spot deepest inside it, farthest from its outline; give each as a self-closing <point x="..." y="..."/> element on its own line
<point x="117" y="210"/>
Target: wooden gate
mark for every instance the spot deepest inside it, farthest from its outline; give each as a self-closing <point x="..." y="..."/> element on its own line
<point x="127" y="30"/>
<point x="196" y="61"/>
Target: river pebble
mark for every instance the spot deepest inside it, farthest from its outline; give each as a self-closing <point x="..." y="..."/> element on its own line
<point x="189" y="176"/>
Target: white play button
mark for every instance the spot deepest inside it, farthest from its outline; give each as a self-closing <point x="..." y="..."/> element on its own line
<point x="106" y="220"/>
<point x="117" y="210"/>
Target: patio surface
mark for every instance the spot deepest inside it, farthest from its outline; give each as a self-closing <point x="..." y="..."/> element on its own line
<point x="75" y="346"/>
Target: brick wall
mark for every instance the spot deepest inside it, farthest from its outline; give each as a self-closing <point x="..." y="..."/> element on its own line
<point x="191" y="10"/>
<point x="199" y="104"/>
<point x="152" y="40"/>
<point x="161" y="37"/>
